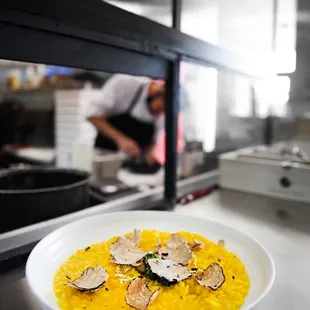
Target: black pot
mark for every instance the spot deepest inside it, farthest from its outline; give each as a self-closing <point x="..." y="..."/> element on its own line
<point x="29" y="196"/>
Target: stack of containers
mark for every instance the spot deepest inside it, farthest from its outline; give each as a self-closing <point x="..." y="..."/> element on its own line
<point x="71" y="124"/>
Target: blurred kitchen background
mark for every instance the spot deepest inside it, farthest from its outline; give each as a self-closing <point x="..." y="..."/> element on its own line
<point x="220" y="111"/>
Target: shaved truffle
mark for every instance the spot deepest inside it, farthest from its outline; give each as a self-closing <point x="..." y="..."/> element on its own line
<point x="140" y="266"/>
<point x="221" y="243"/>
<point x="139" y="296"/>
<point x="181" y="254"/>
<point x="135" y="238"/>
<point x="91" y="280"/>
<point x="175" y="240"/>
<point x="169" y="270"/>
<point x="124" y="252"/>
<point x="196" y="244"/>
<point x="158" y="245"/>
<point x="212" y="277"/>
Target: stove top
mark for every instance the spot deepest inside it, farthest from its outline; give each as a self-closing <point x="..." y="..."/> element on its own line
<point x="292" y="151"/>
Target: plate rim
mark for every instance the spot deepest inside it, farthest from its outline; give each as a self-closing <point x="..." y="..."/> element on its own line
<point x="112" y="214"/>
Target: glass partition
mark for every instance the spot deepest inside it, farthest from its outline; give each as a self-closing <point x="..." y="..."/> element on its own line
<point x="219" y="110"/>
<point x="220" y="114"/>
<point x="243" y="26"/>
<point x="157" y="10"/>
<point x="55" y="109"/>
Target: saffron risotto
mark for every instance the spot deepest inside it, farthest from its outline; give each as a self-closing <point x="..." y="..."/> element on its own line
<point x="185" y="295"/>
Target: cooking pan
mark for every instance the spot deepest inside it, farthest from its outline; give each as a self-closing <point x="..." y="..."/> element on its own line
<point x="32" y="195"/>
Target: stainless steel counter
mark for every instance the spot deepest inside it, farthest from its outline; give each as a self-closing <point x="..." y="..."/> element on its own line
<point x="14" y="291"/>
<point x="281" y="226"/>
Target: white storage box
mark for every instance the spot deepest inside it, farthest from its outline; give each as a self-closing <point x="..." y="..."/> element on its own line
<point x="71" y="124"/>
<point x="250" y="170"/>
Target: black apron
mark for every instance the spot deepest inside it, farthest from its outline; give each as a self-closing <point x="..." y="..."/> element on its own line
<point x="141" y="132"/>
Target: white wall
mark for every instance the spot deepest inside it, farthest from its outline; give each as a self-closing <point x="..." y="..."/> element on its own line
<point x="158" y="11"/>
<point x="246" y="26"/>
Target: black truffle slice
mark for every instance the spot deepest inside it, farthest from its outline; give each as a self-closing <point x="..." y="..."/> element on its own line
<point x="167" y="271"/>
<point x="91" y="280"/>
<point x="139" y="296"/>
<point x="124" y="252"/>
<point x="212" y="277"/>
<point x="221" y="243"/>
<point x="182" y="254"/>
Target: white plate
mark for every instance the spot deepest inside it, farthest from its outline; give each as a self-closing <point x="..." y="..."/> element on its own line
<point x="54" y="249"/>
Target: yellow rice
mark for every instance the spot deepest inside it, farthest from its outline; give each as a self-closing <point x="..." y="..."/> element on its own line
<point x="185" y="295"/>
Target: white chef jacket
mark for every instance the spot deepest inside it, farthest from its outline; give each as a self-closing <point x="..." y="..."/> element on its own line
<point x="115" y="98"/>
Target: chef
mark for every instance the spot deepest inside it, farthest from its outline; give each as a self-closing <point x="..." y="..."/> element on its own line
<point x="128" y="114"/>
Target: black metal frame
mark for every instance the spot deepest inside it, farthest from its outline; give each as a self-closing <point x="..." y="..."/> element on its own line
<point x="176" y="14"/>
<point x="100" y="22"/>
<point x="95" y="35"/>
<point x="275" y="22"/>
<point x="172" y="96"/>
<point x="72" y="52"/>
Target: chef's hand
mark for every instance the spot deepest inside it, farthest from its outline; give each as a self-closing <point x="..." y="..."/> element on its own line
<point x="129" y="146"/>
<point x="149" y="156"/>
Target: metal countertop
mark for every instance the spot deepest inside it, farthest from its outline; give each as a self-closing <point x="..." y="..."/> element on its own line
<point x="281" y="226"/>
